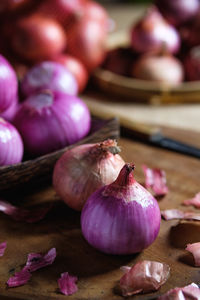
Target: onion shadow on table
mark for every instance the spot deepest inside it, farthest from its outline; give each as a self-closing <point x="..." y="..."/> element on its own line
<point x="184" y="233"/>
<point x="187" y="259"/>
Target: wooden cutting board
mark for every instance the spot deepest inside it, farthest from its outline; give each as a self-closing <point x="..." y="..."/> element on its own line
<point x="98" y="273"/>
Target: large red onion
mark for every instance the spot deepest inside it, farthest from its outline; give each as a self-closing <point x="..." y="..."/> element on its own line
<point x="192" y="64"/>
<point x="8" y="84"/>
<point x="75" y="66"/>
<point x="86" y="41"/>
<point x="152" y="33"/>
<point x="49" y="75"/>
<point x="160" y="68"/>
<point x="84" y="169"/>
<point x="121" y="218"/>
<point x="95" y="11"/>
<point x="11" y="146"/>
<point x="177" y="12"/>
<point x="38" y="38"/>
<point x="50" y="120"/>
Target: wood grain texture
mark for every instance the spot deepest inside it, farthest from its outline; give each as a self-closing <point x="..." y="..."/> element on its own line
<point x="40" y="169"/>
<point x="99" y="273"/>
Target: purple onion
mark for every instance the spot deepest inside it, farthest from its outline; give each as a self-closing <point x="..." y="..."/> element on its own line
<point x="153" y="33"/>
<point x="11" y="146"/>
<point x="49" y="121"/>
<point x="190" y="32"/>
<point x="49" y="75"/>
<point x="10" y="112"/>
<point x="178" y="12"/>
<point x="121" y="218"/>
<point x="8" y="84"/>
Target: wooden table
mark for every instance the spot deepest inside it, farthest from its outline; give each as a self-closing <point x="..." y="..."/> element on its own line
<point x="98" y="273"/>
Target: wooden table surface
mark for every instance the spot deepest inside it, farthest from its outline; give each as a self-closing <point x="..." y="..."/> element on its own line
<point x="98" y="274"/>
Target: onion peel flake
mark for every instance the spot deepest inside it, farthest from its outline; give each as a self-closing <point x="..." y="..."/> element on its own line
<point x="156" y="180"/>
<point x="190" y="291"/>
<point x="67" y="284"/>
<point x="195" y="201"/>
<point x="195" y="250"/>
<point x="19" y="278"/>
<point x="145" y="276"/>
<point x="3" y="248"/>
<point x="171" y="214"/>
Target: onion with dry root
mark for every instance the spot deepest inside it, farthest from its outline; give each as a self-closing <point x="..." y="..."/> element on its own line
<point x="84" y="169"/>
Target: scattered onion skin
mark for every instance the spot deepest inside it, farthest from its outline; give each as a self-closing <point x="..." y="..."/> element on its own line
<point x="75" y="66"/>
<point x="159" y="68"/>
<point x="49" y="121"/>
<point x="38" y="38"/>
<point x="116" y="217"/>
<point x="89" y="36"/>
<point x="49" y="75"/>
<point x="152" y="32"/>
<point x="84" y="169"/>
<point x="178" y="12"/>
<point x="11" y="145"/>
<point x="192" y="64"/>
<point x="8" y="84"/>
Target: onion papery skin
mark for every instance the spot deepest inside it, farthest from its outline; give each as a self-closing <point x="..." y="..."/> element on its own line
<point x="11" y="145"/>
<point x="75" y="66"/>
<point x="160" y="68"/>
<point x="121" y="218"/>
<point x="84" y="169"/>
<point x="152" y="33"/>
<point x="8" y="84"/>
<point x="50" y="121"/>
<point x="178" y="12"/>
<point x="49" y="75"/>
<point x="37" y="38"/>
<point x="87" y="42"/>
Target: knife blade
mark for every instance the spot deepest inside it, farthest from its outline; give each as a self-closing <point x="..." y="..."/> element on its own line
<point x="147" y="133"/>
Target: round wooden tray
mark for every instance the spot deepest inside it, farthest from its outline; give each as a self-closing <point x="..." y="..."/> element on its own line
<point x="32" y="172"/>
<point x="141" y="90"/>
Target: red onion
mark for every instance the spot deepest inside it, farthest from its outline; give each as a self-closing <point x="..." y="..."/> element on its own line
<point x="38" y="38"/>
<point x="192" y="64"/>
<point x="84" y="169"/>
<point x="11" y="146"/>
<point x="86" y="41"/>
<point x="121" y="218"/>
<point x="10" y="112"/>
<point x="65" y="12"/>
<point x="50" y="120"/>
<point x="152" y="32"/>
<point x="76" y="67"/>
<point x="8" y="84"/>
<point x="95" y="11"/>
<point x="49" y="75"/>
<point x="161" y="68"/>
<point x="177" y="12"/>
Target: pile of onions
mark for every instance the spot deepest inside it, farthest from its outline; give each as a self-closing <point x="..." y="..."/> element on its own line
<point x="11" y="146"/>
<point x="121" y="218"/>
<point x="160" y="68"/>
<point x="38" y="38"/>
<point x="75" y="66"/>
<point x="82" y="170"/>
<point x="51" y="120"/>
<point x="152" y="32"/>
<point x="86" y="41"/>
<point x="178" y="12"/>
<point x="192" y="64"/>
<point x="49" y="75"/>
<point x="8" y="85"/>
